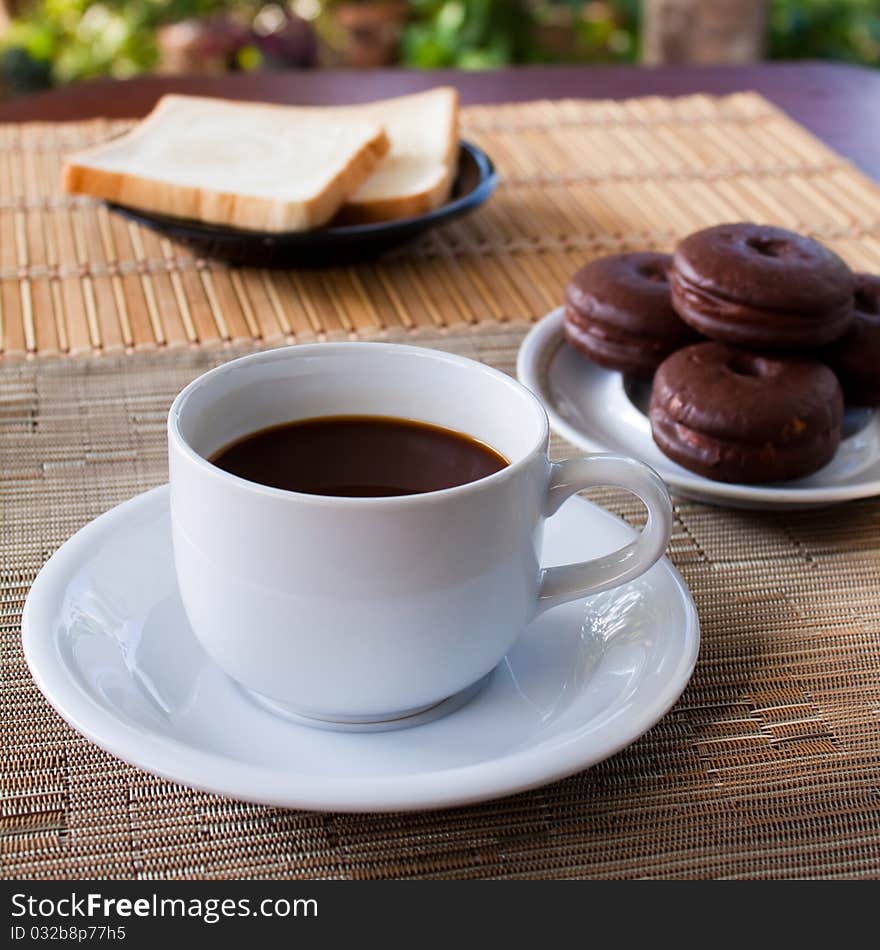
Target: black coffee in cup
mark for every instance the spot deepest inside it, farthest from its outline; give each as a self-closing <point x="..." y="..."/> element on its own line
<point x="359" y="456"/>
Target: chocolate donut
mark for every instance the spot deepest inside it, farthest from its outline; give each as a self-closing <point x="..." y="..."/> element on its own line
<point x="736" y="416"/>
<point x="762" y="288"/>
<point x="856" y="356"/>
<point x="618" y="313"/>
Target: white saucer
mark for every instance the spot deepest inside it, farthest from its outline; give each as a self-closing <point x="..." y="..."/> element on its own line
<point x="600" y="411"/>
<point x="108" y="644"/>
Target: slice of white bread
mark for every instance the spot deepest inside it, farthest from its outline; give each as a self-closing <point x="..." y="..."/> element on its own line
<point x="242" y="164"/>
<point x="418" y="172"/>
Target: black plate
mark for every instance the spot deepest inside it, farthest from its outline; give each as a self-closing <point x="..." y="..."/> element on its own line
<point x="473" y="184"/>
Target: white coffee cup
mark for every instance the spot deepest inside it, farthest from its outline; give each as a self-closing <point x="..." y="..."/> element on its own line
<point x="369" y="609"/>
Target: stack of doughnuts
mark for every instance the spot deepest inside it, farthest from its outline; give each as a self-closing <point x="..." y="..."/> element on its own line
<point x="752" y="334"/>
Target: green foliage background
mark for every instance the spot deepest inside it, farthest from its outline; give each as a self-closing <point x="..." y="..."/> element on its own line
<point x="482" y="34"/>
<point x="846" y="30"/>
<point x="83" y="38"/>
<point x="64" y="40"/>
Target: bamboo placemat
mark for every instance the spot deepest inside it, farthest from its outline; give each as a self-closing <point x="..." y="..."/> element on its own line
<point x="577" y="178"/>
<point x="769" y="765"/>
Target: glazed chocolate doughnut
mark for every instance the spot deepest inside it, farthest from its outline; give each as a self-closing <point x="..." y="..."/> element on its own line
<point x="856" y="356"/>
<point x="735" y="416"/>
<point x="762" y="288"/>
<point x="618" y="313"/>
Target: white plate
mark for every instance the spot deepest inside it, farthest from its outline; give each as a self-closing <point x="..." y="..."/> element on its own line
<point x="108" y="644"/>
<point x="598" y="410"/>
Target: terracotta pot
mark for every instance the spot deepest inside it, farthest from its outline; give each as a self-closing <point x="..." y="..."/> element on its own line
<point x="201" y="45"/>
<point x="704" y="31"/>
<point x="371" y="32"/>
<point x="557" y="37"/>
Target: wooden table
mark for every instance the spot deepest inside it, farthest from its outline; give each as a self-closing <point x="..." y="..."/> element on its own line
<point x="840" y="104"/>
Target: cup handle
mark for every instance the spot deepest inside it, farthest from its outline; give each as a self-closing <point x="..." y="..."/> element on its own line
<point x="570" y="581"/>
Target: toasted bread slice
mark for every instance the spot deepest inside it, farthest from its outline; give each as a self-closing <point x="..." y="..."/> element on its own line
<point x="418" y="172"/>
<point x="246" y="165"/>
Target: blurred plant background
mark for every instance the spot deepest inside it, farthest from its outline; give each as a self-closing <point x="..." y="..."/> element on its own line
<point x="50" y="42"/>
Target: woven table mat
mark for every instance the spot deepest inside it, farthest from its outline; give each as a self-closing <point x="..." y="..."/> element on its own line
<point x="768" y="766"/>
<point x="578" y="178"/>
